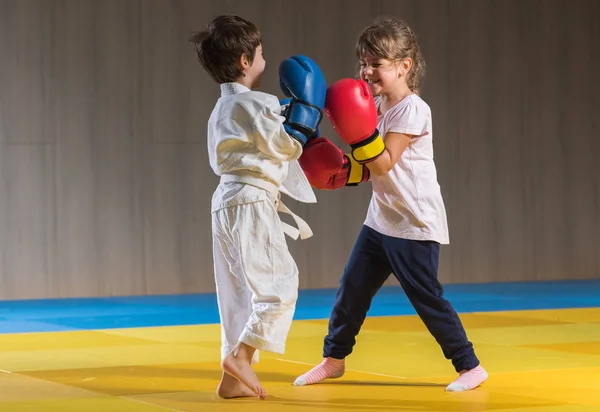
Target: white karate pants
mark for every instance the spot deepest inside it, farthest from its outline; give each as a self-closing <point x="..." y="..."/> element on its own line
<point x="256" y="276"/>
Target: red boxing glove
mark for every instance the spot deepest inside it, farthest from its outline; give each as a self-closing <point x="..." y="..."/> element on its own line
<point x="328" y="168"/>
<point x="350" y="107"/>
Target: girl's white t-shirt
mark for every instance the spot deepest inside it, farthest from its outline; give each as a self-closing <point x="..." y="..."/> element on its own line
<point x="407" y="202"/>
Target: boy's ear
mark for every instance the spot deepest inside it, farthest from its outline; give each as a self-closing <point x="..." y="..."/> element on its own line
<point x="244" y="61"/>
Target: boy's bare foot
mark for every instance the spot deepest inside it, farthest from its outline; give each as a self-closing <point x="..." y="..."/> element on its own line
<point x="230" y="387"/>
<point x="237" y="364"/>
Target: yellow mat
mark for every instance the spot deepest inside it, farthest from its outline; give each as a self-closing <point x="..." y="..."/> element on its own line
<point x="539" y="361"/>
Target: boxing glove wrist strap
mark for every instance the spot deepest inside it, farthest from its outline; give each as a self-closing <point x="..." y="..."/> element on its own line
<point x="303" y="117"/>
<point x="369" y="149"/>
<point x="357" y="173"/>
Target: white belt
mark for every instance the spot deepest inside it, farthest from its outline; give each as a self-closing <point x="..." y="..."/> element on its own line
<point x="302" y="230"/>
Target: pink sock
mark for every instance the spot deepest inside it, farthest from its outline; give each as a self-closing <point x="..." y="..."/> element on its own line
<point x="329" y="368"/>
<point x="468" y="380"/>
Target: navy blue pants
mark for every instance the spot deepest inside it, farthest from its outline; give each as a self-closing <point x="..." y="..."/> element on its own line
<point x="415" y="265"/>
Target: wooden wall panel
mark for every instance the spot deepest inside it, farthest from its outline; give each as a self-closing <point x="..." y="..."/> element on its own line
<point x="105" y="183"/>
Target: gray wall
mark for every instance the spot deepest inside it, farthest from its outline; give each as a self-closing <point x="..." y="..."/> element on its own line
<point x="104" y="181"/>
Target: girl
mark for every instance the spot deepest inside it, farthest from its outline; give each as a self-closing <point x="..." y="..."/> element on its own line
<point x="406" y="220"/>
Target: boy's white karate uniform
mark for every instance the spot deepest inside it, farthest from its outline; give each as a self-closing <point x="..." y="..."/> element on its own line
<point x="256" y="276"/>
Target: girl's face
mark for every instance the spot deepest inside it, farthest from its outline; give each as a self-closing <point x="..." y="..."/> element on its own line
<point x="382" y="75"/>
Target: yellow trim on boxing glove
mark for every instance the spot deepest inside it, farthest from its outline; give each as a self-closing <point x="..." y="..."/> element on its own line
<point x="369" y="149"/>
<point x="356" y="174"/>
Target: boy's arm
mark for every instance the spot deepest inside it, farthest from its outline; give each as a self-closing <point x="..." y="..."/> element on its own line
<point x="270" y="136"/>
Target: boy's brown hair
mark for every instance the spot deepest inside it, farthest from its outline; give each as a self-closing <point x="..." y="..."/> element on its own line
<point x="220" y="46"/>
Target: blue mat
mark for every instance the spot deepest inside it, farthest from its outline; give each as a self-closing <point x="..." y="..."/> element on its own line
<point x="142" y="311"/>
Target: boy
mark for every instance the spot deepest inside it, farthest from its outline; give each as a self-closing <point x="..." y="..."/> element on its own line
<point x="253" y="147"/>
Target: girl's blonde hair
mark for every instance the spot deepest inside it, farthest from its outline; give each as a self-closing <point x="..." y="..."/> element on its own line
<point x="389" y="37"/>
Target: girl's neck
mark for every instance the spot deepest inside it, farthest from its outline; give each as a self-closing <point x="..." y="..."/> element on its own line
<point x="389" y="100"/>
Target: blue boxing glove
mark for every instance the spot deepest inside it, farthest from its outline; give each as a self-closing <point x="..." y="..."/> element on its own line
<point x="302" y="80"/>
<point x="285" y="104"/>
